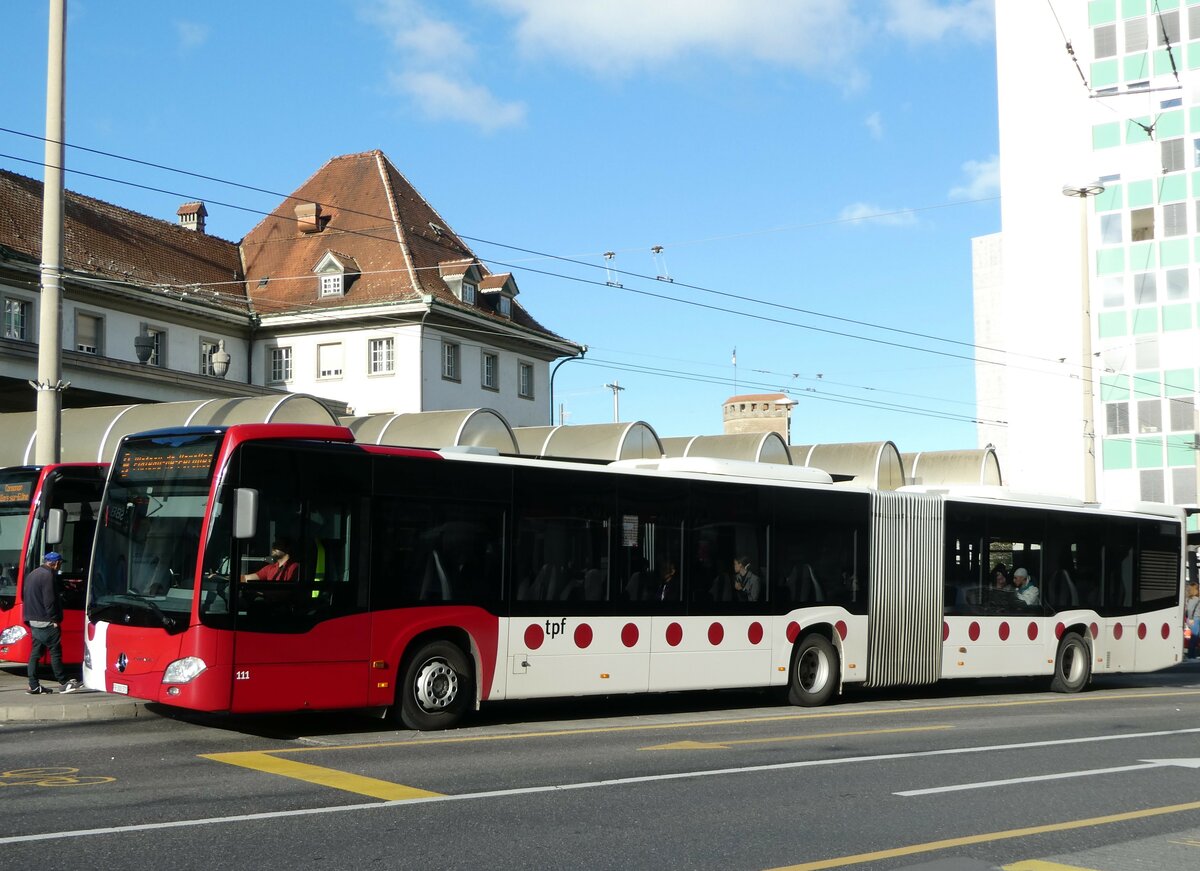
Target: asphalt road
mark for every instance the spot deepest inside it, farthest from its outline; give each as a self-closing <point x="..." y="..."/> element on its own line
<point x="1006" y="776"/>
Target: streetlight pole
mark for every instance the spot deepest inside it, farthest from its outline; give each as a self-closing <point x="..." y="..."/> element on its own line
<point x="49" y="385"/>
<point x="583" y="349"/>
<point x="1086" y="368"/>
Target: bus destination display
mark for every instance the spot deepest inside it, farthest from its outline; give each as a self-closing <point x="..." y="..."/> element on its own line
<point x="166" y="461"/>
<point x="15" y="493"/>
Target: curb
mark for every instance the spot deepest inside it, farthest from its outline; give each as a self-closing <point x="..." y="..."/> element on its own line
<point x="105" y="708"/>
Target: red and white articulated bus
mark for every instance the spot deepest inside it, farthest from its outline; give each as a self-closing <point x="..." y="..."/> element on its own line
<point x="431" y="581"/>
<point x="43" y="508"/>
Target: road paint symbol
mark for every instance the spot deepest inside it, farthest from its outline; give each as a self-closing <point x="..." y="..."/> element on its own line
<point x="49" y="777"/>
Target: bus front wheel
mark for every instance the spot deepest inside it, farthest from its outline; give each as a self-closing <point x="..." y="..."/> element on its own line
<point x="814" y="671"/>
<point x="436" y="687"/>
<point x="1072" y="665"/>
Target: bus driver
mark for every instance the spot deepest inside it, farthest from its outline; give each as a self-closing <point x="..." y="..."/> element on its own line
<point x="281" y="567"/>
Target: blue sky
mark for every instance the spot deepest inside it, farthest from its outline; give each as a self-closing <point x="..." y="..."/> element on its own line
<point x="794" y="159"/>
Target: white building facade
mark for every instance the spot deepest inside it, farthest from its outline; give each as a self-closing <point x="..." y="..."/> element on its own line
<point x="1094" y="300"/>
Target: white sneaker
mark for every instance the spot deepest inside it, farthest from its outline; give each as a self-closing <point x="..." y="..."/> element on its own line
<point x="70" y="686"/>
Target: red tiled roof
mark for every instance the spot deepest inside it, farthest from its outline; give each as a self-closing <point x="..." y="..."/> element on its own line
<point x="756" y="397"/>
<point x="401" y="244"/>
<point x="110" y="242"/>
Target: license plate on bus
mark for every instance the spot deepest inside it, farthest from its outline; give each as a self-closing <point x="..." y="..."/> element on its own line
<point x="121" y="688"/>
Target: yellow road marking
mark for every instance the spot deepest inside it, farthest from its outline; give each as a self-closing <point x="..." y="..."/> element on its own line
<point x="948" y="843"/>
<point x="725" y="745"/>
<point x="1039" y="865"/>
<point x="263" y="761"/>
<point x="651" y="727"/>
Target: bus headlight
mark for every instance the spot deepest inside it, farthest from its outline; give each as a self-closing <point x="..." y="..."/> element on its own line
<point x="87" y="657"/>
<point x="13" y="634"/>
<point x="184" y="670"/>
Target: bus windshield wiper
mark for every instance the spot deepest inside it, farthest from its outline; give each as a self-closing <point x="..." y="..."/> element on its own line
<point x="167" y="621"/>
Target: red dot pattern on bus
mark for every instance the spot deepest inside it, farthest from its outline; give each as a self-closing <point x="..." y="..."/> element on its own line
<point x="1166" y="631"/>
<point x="1118" y="631"/>
<point x="674" y="634"/>
<point x="1004" y="630"/>
<point x="793" y="632"/>
<point x="583" y="635"/>
<point x="1059" y="629"/>
<point x="1033" y="631"/>
<point x="629" y="634"/>
<point x="1142" y="631"/>
<point x="973" y="631"/>
<point x="534" y="636"/>
<point x="1095" y="630"/>
<point x="945" y="630"/>
<point x="840" y="626"/>
<point x="755" y="633"/>
<point x="716" y="634"/>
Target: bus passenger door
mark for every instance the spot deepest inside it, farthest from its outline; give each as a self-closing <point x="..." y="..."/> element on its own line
<point x="302" y="634"/>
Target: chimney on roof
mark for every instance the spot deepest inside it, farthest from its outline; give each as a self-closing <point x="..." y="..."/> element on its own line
<point x="308" y="217"/>
<point x="192" y="215"/>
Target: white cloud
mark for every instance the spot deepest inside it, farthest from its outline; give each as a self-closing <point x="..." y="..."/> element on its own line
<point x="191" y="35"/>
<point x="432" y="67"/>
<point x="874" y="123"/>
<point x="620" y="36"/>
<point x="932" y="21"/>
<point x="857" y="213"/>
<point x="983" y="180"/>
<point x="444" y="98"/>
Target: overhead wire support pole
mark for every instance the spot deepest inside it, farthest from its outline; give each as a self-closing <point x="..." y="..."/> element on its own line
<point x="616" y="388"/>
<point x="49" y="385"/>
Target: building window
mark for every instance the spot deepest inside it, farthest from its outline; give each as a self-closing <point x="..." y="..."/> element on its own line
<point x="1117" y="414"/>
<point x="1194" y="21"/>
<point x="382" y="353"/>
<point x="280" y="364"/>
<point x="1105" y="40"/>
<point x="1166" y="28"/>
<point x="158" y="345"/>
<point x="1152" y="485"/>
<point x="16" y="319"/>
<point x="504" y="306"/>
<point x="208" y="347"/>
<point x="1177" y="284"/>
<point x="450" y="353"/>
<point x="1172" y="155"/>
<point x="468" y="293"/>
<point x="88" y="332"/>
<point x="329" y="360"/>
<point x="490" y="365"/>
<point x="1183" y="414"/>
<point x="1112" y="290"/>
<point x="1135" y="35"/>
<point x="1141" y="225"/>
<point x="1183" y="481"/>
<point x="1111" y="229"/>
<point x="1145" y="354"/>
<point x="1149" y="416"/>
<point x="525" y="380"/>
<point x="332" y="285"/>
<point x="1175" y="219"/>
<point x="1145" y="288"/>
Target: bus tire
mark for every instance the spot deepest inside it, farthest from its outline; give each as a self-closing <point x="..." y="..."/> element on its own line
<point x="436" y="688"/>
<point x="814" y="671"/>
<point x="1072" y="664"/>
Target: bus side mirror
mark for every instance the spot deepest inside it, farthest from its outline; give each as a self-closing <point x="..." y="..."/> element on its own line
<point x="245" y="512"/>
<point x="56" y="521"/>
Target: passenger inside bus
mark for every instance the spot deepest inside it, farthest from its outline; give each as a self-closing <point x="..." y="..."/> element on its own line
<point x="1026" y="590"/>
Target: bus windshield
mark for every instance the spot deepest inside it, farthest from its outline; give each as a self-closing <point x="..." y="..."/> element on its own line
<point x="144" y="561"/>
<point x="16" y="492"/>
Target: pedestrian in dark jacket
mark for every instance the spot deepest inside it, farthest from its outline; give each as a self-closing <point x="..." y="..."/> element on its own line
<point x="42" y="600"/>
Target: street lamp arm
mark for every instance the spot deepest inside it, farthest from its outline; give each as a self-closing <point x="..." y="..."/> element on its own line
<point x="583" y="349"/>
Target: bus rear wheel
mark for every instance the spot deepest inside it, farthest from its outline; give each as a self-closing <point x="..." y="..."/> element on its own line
<point x="814" y="671"/>
<point x="436" y="687"/>
<point x="1072" y="664"/>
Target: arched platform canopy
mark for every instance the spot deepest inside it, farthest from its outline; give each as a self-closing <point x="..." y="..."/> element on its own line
<point x="609" y="442"/>
<point x="466" y="427"/>
<point x="758" y="447"/>
<point x="937" y="468"/>
<point x="91" y="435"/>
<point x="868" y="464"/>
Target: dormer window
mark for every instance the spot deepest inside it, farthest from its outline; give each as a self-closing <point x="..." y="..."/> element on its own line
<point x="499" y="290"/>
<point x="333" y="285"/>
<point x="504" y="306"/>
<point x="468" y="293"/>
<point x="334" y="273"/>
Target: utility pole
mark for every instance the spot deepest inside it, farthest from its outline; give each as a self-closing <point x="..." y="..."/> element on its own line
<point x="49" y="385"/>
<point x="616" y="389"/>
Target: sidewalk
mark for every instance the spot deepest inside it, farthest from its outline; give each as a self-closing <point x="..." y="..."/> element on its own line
<point x="18" y="707"/>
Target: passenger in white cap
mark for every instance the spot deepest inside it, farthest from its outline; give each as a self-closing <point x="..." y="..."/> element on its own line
<point x="1027" y="591"/>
